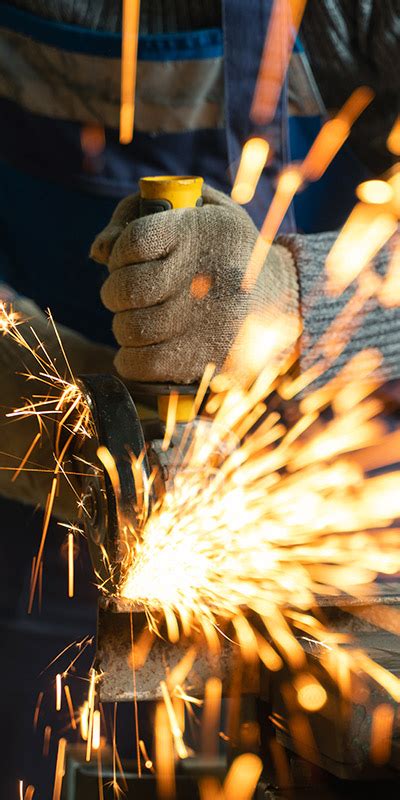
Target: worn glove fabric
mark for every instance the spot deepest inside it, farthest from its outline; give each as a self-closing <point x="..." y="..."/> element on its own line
<point x="16" y="435"/>
<point x="372" y="325"/>
<point x="175" y="286"/>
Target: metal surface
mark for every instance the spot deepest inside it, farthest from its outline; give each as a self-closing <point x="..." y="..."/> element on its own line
<point x="118" y="683"/>
<point x="342" y="731"/>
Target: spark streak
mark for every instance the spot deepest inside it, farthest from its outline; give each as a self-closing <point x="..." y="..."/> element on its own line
<point x="58" y="692"/>
<point x="60" y="769"/>
<point x="284" y="23"/>
<point x="393" y="141"/>
<point x="331" y="137"/>
<point x="269" y="525"/>
<point x="71" y="541"/>
<point x="130" y="35"/>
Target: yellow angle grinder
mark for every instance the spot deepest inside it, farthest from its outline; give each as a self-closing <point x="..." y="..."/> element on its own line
<point x="129" y="421"/>
<point x="129" y="424"/>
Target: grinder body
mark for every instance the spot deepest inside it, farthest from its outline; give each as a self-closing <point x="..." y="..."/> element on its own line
<point x="110" y="504"/>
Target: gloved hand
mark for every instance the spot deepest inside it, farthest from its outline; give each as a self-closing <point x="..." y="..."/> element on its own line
<point x="175" y="285"/>
<point x="16" y="434"/>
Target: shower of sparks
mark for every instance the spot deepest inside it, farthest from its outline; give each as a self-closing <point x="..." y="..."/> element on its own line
<point x="264" y="517"/>
<point x="61" y="404"/>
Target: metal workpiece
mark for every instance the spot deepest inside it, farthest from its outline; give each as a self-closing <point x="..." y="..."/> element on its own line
<point x="118" y="620"/>
<point x="342" y="731"/>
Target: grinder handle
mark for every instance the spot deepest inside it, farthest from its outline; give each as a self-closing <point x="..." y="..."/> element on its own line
<point x="164" y="193"/>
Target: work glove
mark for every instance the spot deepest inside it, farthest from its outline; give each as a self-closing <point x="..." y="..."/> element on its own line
<point x="175" y="286"/>
<point x="16" y="434"/>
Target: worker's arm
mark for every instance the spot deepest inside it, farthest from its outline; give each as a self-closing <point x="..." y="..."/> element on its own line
<point x="175" y="287"/>
<point x="16" y="434"/>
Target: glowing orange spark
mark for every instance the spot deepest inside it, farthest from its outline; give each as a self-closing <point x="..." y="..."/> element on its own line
<point x="393" y="140"/>
<point x="173" y="722"/>
<point x="171" y="420"/>
<point x="60" y="769"/>
<point x="334" y="133"/>
<point x="147" y="760"/>
<point x="242" y="778"/>
<point x="96" y="730"/>
<point x="37" y="710"/>
<point x="109" y="465"/>
<point x="281" y="35"/>
<point x="165" y="765"/>
<point x="394" y="183"/>
<point x="367" y="229"/>
<point x="71" y="542"/>
<point x="310" y="694"/>
<point x="389" y="293"/>
<point x="46" y="740"/>
<point x="375" y="191"/>
<point x="27" y="456"/>
<point x="84" y="721"/>
<point x="289" y="182"/>
<point x="70" y="706"/>
<point x="135" y="704"/>
<point x="252" y="162"/>
<point x="130" y="35"/>
<point x="58" y="692"/>
<point x="93" y="140"/>
<point x="325" y="147"/>
<point x="91" y="700"/>
<point x="382" y="733"/>
<point x="211" y="716"/>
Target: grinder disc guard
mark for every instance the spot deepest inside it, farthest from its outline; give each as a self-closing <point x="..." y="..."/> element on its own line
<point x="117" y="427"/>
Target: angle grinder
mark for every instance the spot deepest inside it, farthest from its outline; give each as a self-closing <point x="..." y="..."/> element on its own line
<point x="128" y="422"/>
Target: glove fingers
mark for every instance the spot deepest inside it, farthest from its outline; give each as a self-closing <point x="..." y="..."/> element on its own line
<point x="126" y="211"/>
<point x="165" y="362"/>
<point x="145" y="239"/>
<point x="153" y="325"/>
<point x="145" y="285"/>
